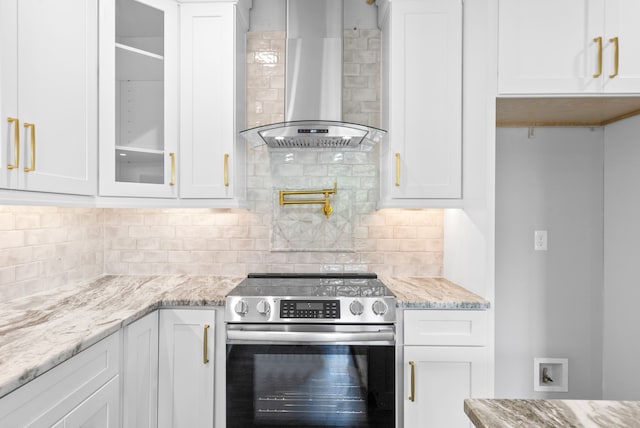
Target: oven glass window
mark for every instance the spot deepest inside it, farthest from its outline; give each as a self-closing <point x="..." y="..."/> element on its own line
<point x="310" y="386"/>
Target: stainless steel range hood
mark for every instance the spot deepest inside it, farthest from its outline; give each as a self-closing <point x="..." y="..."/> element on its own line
<point x="313" y="91"/>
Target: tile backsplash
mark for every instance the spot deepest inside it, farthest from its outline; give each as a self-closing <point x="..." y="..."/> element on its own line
<point x="235" y="242"/>
<point x="46" y="247"/>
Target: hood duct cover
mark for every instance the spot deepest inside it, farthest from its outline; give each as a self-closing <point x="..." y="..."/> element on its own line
<point x="313" y="103"/>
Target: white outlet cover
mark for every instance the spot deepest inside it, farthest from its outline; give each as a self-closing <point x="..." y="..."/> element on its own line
<point x="540" y="240"/>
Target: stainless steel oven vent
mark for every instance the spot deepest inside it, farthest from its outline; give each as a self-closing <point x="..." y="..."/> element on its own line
<point x="303" y="143"/>
<point x="316" y="134"/>
<point x="313" y="88"/>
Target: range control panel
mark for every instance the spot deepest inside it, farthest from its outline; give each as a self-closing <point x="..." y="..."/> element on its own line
<point x="310" y="309"/>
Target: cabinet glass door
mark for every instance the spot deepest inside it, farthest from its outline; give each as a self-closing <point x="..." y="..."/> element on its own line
<point x="138" y="86"/>
<point x="139" y="93"/>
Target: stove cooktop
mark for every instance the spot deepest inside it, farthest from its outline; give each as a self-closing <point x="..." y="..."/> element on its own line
<point x="317" y="297"/>
<point x="309" y="285"/>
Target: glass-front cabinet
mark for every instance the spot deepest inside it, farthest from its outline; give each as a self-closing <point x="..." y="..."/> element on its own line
<point x="138" y="98"/>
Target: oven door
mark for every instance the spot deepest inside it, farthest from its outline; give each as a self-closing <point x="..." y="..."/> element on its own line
<point x="310" y="376"/>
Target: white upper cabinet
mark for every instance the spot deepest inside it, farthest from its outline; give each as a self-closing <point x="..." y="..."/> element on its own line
<point x="212" y="104"/>
<point x="621" y="22"/>
<point x="568" y="47"/>
<point x="422" y="103"/>
<point x="138" y="98"/>
<point x="48" y="95"/>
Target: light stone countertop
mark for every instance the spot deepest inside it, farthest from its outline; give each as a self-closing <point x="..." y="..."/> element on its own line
<point x="432" y="293"/>
<point x="41" y="331"/>
<point x="552" y="413"/>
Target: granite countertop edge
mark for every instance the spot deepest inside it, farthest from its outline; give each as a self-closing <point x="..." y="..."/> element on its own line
<point x="156" y="292"/>
<point x="541" y="413"/>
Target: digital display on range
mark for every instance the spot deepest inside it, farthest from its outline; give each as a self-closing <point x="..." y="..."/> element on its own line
<point x="301" y="306"/>
<point x="310" y="309"/>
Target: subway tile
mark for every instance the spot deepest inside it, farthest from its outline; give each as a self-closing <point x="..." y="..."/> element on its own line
<point x="385" y="245"/>
<point x="155" y="256"/>
<point x="28" y="221"/>
<point x="122" y="243"/>
<point x="404" y="232"/>
<point x="195" y="244"/>
<point x="355" y="43"/>
<point x="412" y="245"/>
<point x="7" y="276"/>
<point x="12" y="238"/>
<point x="258" y="44"/>
<point x="241" y="244"/>
<point x="131" y="256"/>
<point x="171" y="244"/>
<point x="7" y="221"/>
<point x="148" y="243"/>
<point x="17" y="256"/>
<point x="277" y="35"/>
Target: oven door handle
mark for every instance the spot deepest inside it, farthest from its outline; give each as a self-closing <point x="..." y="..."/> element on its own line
<point x="382" y="335"/>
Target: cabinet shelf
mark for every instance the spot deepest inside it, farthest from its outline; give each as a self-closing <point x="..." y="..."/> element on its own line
<point x="139" y="150"/>
<point x="137" y="64"/>
<point x="139" y="51"/>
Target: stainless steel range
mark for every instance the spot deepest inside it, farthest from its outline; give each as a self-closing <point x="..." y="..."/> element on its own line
<point x="317" y="298"/>
<point x="313" y="350"/>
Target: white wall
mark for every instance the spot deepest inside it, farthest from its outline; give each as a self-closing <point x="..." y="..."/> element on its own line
<point x="621" y="257"/>
<point x="549" y="304"/>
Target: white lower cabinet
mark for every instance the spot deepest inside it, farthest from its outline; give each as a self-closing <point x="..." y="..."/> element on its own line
<point x="82" y="391"/>
<point x="98" y="411"/>
<point x="186" y="368"/>
<point x="140" y="373"/>
<point x="445" y="359"/>
<point x="443" y="378"/>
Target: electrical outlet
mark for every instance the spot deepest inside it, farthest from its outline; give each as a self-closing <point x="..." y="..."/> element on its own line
<point x="540" y="240"/>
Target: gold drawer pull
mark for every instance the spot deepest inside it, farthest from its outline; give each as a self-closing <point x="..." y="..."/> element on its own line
<point x="16" y="142"/>
<point x="226" y="169"/>
<point x="599" y="41"/>
<point x="412" y="397"/>
<point x="205" y="349"/>
<point x="32" y="166"/>
<point x="615" y="56"/>
<point x="173" y="169"/>
<point x="397" y="169"/>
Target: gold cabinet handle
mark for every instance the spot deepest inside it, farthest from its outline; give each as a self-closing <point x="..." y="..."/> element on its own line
<point x="16" y="142"/>
<point x="397" y="169"/>
<point x="226" y="170"/>
<point x="616" y="52"/>
<point x="412" y="397"/>
<point x="173" y="169"/>
<point x="205" y="348"/>
<point x="599" y="41"/>
<point x="32" y="166"/>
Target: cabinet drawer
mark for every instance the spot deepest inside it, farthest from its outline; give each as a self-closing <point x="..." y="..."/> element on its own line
<point x="445" y="327"/>
<point x="49" y="397"/>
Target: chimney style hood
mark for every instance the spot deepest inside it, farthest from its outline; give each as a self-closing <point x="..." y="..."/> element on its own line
<point x="313" y="90"/>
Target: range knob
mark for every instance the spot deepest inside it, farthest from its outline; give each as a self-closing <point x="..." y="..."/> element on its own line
<point x="263" y="307"/>
<point x="356" y="307"/>
<point x="241" y="308"/>
<point x="379" y="307"/>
